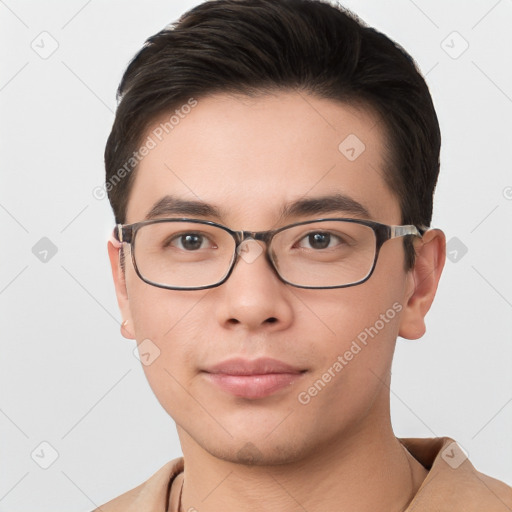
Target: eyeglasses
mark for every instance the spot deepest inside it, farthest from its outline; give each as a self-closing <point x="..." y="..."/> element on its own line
<point x="193" y="254"/>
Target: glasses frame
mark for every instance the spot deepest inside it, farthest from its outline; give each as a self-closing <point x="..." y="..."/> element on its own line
<point x="126" y="233"/>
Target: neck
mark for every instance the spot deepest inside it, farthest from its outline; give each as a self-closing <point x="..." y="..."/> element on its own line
<point x="366" y="471"/>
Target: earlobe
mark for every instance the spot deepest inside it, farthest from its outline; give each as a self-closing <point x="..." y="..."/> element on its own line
<point x="114" y="248"/>
<point x="126" y="331"/>
<point x="424" y="279"/>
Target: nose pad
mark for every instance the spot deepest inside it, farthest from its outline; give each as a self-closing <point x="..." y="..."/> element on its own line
<point x="250" y="250"/>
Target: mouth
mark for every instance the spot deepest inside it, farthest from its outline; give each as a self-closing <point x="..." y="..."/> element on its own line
<point x="253" y="379"/>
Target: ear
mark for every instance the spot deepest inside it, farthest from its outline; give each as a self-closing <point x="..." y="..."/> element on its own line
<point x="422" y="283"/>
<point x="114" y="253"/>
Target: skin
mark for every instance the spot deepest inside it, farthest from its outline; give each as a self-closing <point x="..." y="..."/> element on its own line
<point x="249" y="156"/>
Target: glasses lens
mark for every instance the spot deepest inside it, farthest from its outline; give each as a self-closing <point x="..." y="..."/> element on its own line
<point x="324" y="253"/>
<point x="183" y="254"/>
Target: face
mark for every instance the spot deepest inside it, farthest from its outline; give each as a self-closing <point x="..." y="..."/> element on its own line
<point x="248" y="158"/>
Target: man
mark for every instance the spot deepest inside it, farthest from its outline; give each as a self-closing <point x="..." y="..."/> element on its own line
<point x="271" y="169"/>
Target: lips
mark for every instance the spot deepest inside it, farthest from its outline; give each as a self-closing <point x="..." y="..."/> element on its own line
<point x="253" y="378"/>
<point x="264" y="365"/>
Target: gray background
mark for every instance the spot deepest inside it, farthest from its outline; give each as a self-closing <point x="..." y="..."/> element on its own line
<point x="69" y="379"/>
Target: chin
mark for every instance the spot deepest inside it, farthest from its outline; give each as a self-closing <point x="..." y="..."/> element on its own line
<point x="254" y="452"/>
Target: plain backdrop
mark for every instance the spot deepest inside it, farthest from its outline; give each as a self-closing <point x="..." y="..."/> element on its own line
<point x="73" y="395"/>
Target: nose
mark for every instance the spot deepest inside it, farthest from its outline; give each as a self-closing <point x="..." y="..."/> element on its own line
<point x="253" y="297"/>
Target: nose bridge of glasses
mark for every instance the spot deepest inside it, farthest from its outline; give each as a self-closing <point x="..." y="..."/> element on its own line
<point x="262" y="236"/>
<point x="249" y="248"/>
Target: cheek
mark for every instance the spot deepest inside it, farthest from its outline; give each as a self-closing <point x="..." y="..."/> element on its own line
<point x="355" y="312"/>
<point x="166" y="322"/>
<point x="363" y="324"/>
<point x="166" y="329"/>
<point x="351" y="367"/>
<point x="158" y="313"/>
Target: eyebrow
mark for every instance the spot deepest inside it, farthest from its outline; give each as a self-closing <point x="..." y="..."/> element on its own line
<point x="323" y="205"/>
<point x="171" y="205"/>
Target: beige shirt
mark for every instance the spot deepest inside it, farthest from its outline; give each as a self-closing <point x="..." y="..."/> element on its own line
<point x="452" y="484"/>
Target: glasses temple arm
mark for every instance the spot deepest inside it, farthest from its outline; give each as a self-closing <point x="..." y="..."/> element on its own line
<point x="113" y="238"/>
<point x="398" y="231"/>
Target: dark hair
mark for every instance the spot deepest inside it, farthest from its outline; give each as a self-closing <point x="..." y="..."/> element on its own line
<point x="257" y="46"/>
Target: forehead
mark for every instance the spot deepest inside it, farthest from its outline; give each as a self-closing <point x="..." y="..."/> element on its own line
<point x="249" y="157"/>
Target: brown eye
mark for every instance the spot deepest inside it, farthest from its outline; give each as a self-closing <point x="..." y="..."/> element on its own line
<point x="319" y="240"/>
<point x="188" y="241"/>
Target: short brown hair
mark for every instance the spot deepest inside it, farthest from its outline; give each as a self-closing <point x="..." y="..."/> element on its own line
<point x="253" y="46"/>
